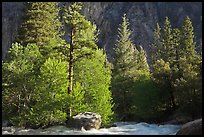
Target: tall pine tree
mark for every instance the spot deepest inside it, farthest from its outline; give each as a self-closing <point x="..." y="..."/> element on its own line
<point x="41" y="24"/>
<point x="189" y="85"/>
<point x="178" y="68"/>
<point x="167" y="45"/>
<point x="82" y="37"/>
<point x="142" y="61"/>
<point x="164" y="58"/>
<point x="82" y="50"/>
<point x="123" y="67"/>
<point x="156" y="46"/>
<point x="187" y="41"/>
<point x="129" y="66"/>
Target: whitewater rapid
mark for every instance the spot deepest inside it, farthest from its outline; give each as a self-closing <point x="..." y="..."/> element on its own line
<point x="122" y="128"/>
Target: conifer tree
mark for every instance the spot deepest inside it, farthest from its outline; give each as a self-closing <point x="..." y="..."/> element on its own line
<point x="178" y="68"/>
<point x="129" y="67"/>
<point x="176" y="41"/>
<point x="142" y="61"/>
<point x="187" y="40"/>
<point x="156" y="46"/>
<point x="83" y="54"/>
<point x="200" y="48"/>
<point x="126" y="53"/>
<point x="124" y="66"/>
<point x="165" y="56"/>
<point x="190" y="67"/>
<point x="41" y="24"/>
<point x="168" y="56"/>
<point x="82" y="37"/>
<point x="168" y="49"/>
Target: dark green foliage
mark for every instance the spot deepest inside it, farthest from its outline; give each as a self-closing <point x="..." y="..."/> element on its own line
<point x="83" y="32"/>
<point x="146" y="101"/>
<point x="189" y="85"/>
<point x="41" y="23"/>
<point x="167" y="45"/>
<point x="161" y="76"/>
<point x="156" y="46"/>
<point x="130" y="77"/>
<point x="178" y="70"/>
<point x="164" y="66"/>
<point x="123" y="67"/>
<point x="41" y="27"/>
<point x="177" y="54"/>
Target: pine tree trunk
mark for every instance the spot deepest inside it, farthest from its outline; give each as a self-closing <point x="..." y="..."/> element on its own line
<point x="173" y="100"/>
<point x="172" y="97"/>
<point x="70" y="71"/>
<point x="124" y="105"/>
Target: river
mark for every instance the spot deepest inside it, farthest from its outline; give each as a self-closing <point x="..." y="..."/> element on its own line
<point x="122" y="128"/>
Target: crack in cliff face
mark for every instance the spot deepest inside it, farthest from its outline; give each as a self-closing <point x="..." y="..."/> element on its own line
<point x="143" y="17"/>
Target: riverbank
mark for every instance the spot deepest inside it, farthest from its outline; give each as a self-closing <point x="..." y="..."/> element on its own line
<point x="121" y="128"/>
<point x="173" y="119"/>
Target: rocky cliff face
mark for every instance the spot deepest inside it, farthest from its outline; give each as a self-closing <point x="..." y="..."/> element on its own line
<point x="11" y="20"/>
<point x="142" y="16"/>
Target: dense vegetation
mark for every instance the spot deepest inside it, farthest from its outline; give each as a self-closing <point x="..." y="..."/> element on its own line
<point x="177" y="67"/>
<point x="37" y="85"/>
<point x="47" y="80"/>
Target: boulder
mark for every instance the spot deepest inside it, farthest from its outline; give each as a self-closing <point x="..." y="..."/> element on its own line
<point x="191" y="128"/>
<point x="85" y="120"/>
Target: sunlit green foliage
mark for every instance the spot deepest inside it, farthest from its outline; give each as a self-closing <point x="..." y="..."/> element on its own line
<point x="19" y="79"/>
<point x="82" y="38"/>
<point x="94" y="74"/>
<point x="87" y="70"/>
<point x="51" y="93"/>
<point x="34" y="94"/>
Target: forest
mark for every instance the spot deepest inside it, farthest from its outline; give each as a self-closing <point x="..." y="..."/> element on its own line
<point x="47" y="80"/>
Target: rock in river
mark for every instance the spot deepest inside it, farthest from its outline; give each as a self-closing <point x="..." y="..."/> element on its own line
<point x="191" y="128"/>
<point x="85" y="120"/>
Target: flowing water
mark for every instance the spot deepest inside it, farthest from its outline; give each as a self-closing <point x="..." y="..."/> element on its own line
<point x="122" y="128"/>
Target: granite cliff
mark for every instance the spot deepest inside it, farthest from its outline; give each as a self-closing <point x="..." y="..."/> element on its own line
<point x="108" y="15"/>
